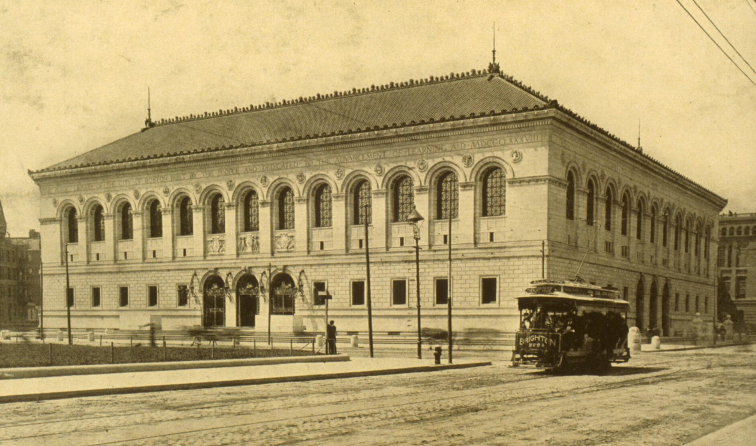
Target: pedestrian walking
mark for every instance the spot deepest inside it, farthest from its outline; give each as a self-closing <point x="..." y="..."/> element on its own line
<point x="331" y="339"/>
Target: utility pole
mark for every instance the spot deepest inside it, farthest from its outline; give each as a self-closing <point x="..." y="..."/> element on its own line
<point x="68" y="303"/>
<point x="270" y="299"/>
<point x="449" y="296"/>
<point x="369" y="304"/>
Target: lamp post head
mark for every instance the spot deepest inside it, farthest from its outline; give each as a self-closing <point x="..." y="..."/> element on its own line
<point x="415" y="218"/>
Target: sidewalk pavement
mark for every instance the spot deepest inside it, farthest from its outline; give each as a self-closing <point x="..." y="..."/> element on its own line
<point x="741" y="433"/>
<point x="57" y="387"/>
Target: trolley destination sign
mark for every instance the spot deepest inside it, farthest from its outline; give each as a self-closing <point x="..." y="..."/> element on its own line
<point x="537" y="341"/>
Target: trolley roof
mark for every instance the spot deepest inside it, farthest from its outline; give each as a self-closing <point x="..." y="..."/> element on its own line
<point x="576" y="291"/>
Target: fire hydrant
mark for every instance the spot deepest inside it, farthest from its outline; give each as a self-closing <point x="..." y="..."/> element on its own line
<point x="437" y="354"/>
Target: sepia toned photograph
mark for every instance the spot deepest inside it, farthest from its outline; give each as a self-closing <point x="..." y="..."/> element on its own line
<point x="502" y="222"/>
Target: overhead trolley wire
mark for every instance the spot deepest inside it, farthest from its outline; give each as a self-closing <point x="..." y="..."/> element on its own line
<point x="715" y="43"/>
<point x="722" y="34"/>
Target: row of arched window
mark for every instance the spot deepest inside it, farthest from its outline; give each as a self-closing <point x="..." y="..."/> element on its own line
<point x="740" y="230"/>
<point x="683" y="233"/>
<point x="493" y="191"/>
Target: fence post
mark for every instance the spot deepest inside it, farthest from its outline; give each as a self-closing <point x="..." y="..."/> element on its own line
<point x="212" y="350"/>
<point x="254" y="348"/>
<point x="165" y="350"/>
<point x="49" y="351"/>
<point x="131" y="340"/>
<point x="112" y="356"/>
<point x="313" y="345"/>
<point x="291" y="347"/>
<point x="100" y="340"/>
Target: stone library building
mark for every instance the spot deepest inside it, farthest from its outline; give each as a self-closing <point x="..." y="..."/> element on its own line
<point x="248" y="217"/>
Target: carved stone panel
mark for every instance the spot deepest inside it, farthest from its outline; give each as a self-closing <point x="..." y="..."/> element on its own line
<point x="285" y="242"/>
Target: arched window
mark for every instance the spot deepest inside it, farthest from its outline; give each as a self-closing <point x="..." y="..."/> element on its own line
<point x="732" y="231"/>
<point x="127" y="227"/>
<point x="362" y="208"/>
<point x="652" y="227"/>
<point x="747" y="231"/>
<point x="678" y="227"/>
<point x="724" y="232"/>
<point x="251" y="212"/>
<point x="323" y="206"/>
<point x="185" y="217"/>
<point x="665" y="229"/>
<point x="687" y="230"/>
<point x="217" y="215"/>
<point x="729" y="256"/>
<point x="73" y="226"/>
<point x="494" y="192"/>
<point x="639" y="222"/>
<point x="740" y="230"/>
<point x="404" y="199"/>
<point x="697" y="248"/>
<point x="590" y="209"/>
<point x="608" y="209"/>
<point x="625" y="214"/>
<point x="570" y="196"/>
<point x="707" y="240"/>
<point x="447" y="196"/>
<point x="286" y="209"/>
<point x="156" y="220"/>
<point x="99" y="224"/>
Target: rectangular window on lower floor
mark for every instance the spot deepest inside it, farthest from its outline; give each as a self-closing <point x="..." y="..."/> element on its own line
<point x="677" y="301"/>
<point x="740" y="288"/>
<point x="399" y="292"/>
<point x="70" y="297"/>
<point x="183" y="295"/>
<point x="318" y="293"/>
<point x="687" y="303"/>
<point x="489" y="290"/>
<point x="706" y="304"/>
<point x="697" y="304"/>
<point x="96" y="296"/>
<point x="358" y="292"/>
<point x="123" y="296"/>
<point x="442" y="291"/>
<point x="152" y="295"/>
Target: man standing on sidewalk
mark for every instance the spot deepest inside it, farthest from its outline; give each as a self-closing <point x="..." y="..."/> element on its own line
<point x="331" y="339"/>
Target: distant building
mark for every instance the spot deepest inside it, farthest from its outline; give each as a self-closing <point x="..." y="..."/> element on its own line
<point x="736" y="260"/>
<point x="20" y="292"/>
<point x="244" y="217"/>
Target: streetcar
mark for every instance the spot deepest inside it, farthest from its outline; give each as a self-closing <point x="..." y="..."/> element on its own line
<point x="570" y="323"/>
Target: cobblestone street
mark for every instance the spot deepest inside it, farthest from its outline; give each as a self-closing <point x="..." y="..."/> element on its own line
<point x="666" y="398"/>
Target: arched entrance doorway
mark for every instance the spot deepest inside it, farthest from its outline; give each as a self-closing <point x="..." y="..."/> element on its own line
<point x="247" y="301"/>
<point x="653" y="308"/>
<point x="639" y="304"/>
<point x="214" y="302"/>
<point x="283" y="294"/>
<point x="654" y="297"/>
<point x="665" y="311"/>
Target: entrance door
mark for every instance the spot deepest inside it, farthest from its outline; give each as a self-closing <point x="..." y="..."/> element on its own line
<point x="653" y="309"/>
<point x="246" y="298"/>
<point x="639" y="305"/>
<point x="665" y="311"/>
<point x="214" y="303"/>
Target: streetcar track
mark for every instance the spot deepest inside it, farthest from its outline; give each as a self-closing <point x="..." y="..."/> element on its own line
<point x="579" y="391"/>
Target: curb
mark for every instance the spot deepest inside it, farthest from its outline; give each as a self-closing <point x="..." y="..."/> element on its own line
<point x="701" y="347"/>
<point x="231" y="383"/>
<point x="44" y="372"/>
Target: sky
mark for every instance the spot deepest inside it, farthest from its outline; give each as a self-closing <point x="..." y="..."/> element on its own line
<point x="74" y="74"/>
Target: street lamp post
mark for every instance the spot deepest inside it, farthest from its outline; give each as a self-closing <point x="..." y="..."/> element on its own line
<point x="416" y="220"/>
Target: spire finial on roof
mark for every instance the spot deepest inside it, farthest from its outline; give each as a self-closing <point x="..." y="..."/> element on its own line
<point x="493" y="67"/>
<point x="640" y="148"/>
<point x="148" y="122"/>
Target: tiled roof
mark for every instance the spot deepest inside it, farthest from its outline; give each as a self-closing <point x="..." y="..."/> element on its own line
<point x="434" y="99"/>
